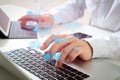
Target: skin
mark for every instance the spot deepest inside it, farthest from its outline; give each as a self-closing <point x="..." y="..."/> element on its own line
<point x="70" y="49"/>
<point x="41" y="20"/>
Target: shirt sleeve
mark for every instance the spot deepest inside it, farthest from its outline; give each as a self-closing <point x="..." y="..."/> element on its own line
<point x="67" y="12"/>
<point x="107" y="47"/>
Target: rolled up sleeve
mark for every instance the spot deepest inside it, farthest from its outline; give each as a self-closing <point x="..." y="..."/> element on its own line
<point x="67" y="12"/>
<point x="107" y="47"/>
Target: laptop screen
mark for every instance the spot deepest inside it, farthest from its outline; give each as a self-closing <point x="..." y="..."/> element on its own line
<point x="4" y="23"/>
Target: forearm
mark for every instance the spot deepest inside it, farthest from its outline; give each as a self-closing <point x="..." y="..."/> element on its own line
<point x="68" y="12"/>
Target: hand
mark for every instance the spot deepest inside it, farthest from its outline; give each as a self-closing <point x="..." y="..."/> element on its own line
<point x="70" y="48"/>
<point x="42" y="20"/>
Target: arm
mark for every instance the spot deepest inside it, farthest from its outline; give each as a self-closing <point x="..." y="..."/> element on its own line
<point x="68" y="12"/>
<point x="62" y="14"/>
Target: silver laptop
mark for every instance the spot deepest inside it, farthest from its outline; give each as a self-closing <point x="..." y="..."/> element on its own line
<point x="29" y="64"/>
<point x="12" y="29"/>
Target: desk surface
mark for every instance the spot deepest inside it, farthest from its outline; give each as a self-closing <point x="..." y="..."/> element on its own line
<point x="8" y="44"/>
<point x="5" y="75"/>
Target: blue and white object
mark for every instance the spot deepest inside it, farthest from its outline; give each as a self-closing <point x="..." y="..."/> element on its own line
<point x="36" y="28"/>
<point x="47" y="56"/>
<point x="56" y="56"/>
<point x="35" y="44"/>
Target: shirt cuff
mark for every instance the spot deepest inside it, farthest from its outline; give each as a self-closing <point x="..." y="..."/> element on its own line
<point x="100" y="47"/>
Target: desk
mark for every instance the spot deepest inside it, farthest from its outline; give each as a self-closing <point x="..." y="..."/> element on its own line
<point x="8" y="44"/>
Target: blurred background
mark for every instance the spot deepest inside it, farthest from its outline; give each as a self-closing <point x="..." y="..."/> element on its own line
<point x="42" y="5"/>
<point x="34" y="4"/>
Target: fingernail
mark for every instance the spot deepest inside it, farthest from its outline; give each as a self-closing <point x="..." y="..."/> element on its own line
<point x="58" y="64"/>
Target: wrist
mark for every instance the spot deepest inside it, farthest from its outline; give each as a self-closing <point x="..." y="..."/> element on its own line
<point x="87" y="51"/>
<point x="90" y="47"/>
<point x="50" y="18"/>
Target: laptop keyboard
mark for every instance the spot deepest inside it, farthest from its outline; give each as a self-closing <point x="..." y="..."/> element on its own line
<point x="34" y="62"/>
<point x="17" y="33"/>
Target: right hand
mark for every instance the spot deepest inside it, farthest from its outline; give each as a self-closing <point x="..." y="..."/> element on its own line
<point x="42" y="20"/>
<point x="70" y="48"/>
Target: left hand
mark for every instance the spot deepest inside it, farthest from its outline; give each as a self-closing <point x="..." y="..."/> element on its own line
<point x="42" y="20"/>
<point x="70" y="48"/>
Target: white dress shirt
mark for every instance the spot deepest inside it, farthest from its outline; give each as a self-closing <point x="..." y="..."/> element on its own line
<point x="105" y="14"/>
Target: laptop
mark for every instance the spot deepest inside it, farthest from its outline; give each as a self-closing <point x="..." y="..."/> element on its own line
<point x="29" y="64"/>
<point x="11" y="29"/>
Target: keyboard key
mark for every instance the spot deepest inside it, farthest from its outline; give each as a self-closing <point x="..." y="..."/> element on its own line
<point x="58" y="77"/>
<point x="71" y="78"/>
<point x="85" y="75"/>
<point x="72" y="74"/>
<point x="79" y="78"/>
<point x="61" y="73"/>
<point x="64" y="70"/>
<point x="51" y="62"/>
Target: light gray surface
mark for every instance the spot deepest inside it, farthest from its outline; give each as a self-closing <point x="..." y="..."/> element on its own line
<point x="5" y="75"/>
<point x="98" y="69"/>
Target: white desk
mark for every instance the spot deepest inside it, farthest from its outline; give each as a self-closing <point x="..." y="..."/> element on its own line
<point x="8" y="44"/>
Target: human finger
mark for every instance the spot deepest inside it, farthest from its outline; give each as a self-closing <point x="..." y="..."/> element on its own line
<point x="51" y="39"/>
<point x="76" y="51"/>
<point x="69" y="45"/>
<point x="27" y="18"/>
